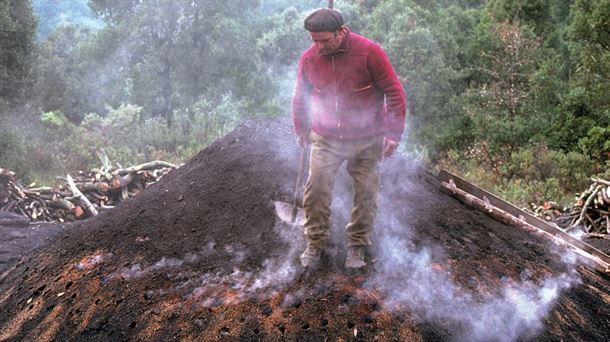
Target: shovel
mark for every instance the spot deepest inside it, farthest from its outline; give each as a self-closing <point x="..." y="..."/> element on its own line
<point x="293" y="213"/>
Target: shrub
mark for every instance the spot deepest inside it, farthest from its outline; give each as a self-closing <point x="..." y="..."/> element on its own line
<point x="596" y="143"/>
<point x="13" y="153"/>
<point x="530" y="175"/>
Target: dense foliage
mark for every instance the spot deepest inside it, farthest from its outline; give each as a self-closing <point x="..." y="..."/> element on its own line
<point x="17" y="35"/>
<point x="55" y="13"/>
<point x="509" y="93"/>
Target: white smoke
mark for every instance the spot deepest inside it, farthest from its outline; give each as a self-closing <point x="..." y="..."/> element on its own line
<point x="275" y="274"/>
<point x="210" y="289"/>
<point x="578" y="233"/>
<point x="280" y="271"/>
<point x="91" y="261"/>
<point x="407" y="279"/>
<point x="235" y="251"/>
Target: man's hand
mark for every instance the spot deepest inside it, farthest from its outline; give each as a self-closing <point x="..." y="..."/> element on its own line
<point x="303" y="140"/>
<point x="389" y="146"/>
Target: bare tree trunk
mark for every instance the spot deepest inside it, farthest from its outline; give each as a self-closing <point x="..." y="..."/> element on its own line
<point x="167" y="93"/>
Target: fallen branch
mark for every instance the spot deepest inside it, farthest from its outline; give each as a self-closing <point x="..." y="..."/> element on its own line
<point x="597" y="236"/>
<point x="156" y="164"/>
<point x="80" y="197"/>
<point x="600" y="181"/>
<point x="97" y="186"/>
<point x="62" y="203"/>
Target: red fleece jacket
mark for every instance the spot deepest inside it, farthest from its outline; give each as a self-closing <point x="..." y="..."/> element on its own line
<point x="352" y="94"/>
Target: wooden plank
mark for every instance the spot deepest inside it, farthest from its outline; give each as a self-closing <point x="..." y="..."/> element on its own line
<point x="502" y="216"/>
<point x="491" y="199"/>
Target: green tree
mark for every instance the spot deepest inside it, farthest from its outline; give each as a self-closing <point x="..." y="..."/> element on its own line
<point x="61" y="67"/>
<point x="17" y="43"/>
<point x="52" y="14"/>
<point x="509" y="66"/>
<point x="180" y="51"/>
<point x="589" y="33"/>
<point x="577" y="97"/>
<point x="114" y="11"/>
<point x="426" y="56"/>
<point x="536" y="13"/>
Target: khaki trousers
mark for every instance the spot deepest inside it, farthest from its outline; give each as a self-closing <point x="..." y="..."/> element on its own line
<point x="327" y="155"/>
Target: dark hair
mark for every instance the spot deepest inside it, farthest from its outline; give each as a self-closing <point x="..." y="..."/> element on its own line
<point x="324" y="19"/>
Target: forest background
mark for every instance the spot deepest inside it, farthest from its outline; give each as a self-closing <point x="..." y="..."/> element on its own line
<point x="511" y="94"/>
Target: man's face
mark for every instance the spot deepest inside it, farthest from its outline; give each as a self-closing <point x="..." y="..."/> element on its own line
<point x="328" y="42"/>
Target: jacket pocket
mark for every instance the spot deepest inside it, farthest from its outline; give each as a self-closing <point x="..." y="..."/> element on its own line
<point x="370" y="86"/>
<point x="363" y="97"/>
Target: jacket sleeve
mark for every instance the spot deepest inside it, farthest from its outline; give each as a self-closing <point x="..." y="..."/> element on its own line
<point x="301" y="101"/>
<point x="385" y="79"/>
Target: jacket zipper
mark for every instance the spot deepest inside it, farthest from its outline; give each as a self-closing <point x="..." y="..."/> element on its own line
<point x="336" y="99"/>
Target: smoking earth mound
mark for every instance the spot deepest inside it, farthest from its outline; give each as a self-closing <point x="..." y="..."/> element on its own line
<point x="201" y="256"/>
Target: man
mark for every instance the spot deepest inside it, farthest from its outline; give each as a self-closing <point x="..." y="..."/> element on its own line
<point x="348" y="105"/>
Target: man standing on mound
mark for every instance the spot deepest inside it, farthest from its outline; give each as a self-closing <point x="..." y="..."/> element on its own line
<point x="348" y="105"/>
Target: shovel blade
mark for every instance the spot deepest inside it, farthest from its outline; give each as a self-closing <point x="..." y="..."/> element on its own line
<point x="283" y="210"/>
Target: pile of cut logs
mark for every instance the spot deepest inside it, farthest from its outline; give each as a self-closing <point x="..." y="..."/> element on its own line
<point x="591" y="212"/>
<point x="81" y="196"/>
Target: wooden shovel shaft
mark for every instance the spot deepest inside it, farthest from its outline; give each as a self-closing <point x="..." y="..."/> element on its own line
<point x="295" y="208"/>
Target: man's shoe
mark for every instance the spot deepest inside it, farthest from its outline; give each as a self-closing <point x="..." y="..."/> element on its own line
<point x="355" y="257"/>
<point x="310" y="257"/>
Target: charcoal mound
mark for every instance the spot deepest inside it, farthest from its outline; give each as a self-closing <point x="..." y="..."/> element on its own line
<point x="201" y="256"/>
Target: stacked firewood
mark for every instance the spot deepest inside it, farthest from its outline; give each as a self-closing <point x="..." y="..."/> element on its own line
<point x="594" y="207"/>
<point x="551" y="211"/>
<point x="590" y="212"/>
<point x="81" y="196"/>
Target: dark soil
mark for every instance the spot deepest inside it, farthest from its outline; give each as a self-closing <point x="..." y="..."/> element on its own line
<point x="201" y="256"/>
<point x="18" y="237"/>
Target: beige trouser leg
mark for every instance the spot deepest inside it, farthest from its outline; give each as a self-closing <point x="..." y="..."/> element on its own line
<point x="327" y="155"/>
<point x="363" y="166"/>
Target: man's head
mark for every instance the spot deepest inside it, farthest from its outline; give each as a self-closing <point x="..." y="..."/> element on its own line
<point x="326" y="29"/>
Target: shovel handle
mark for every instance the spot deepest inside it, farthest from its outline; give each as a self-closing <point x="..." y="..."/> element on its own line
<point x="330" y="3"/>
<point x="298" y="185"/>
